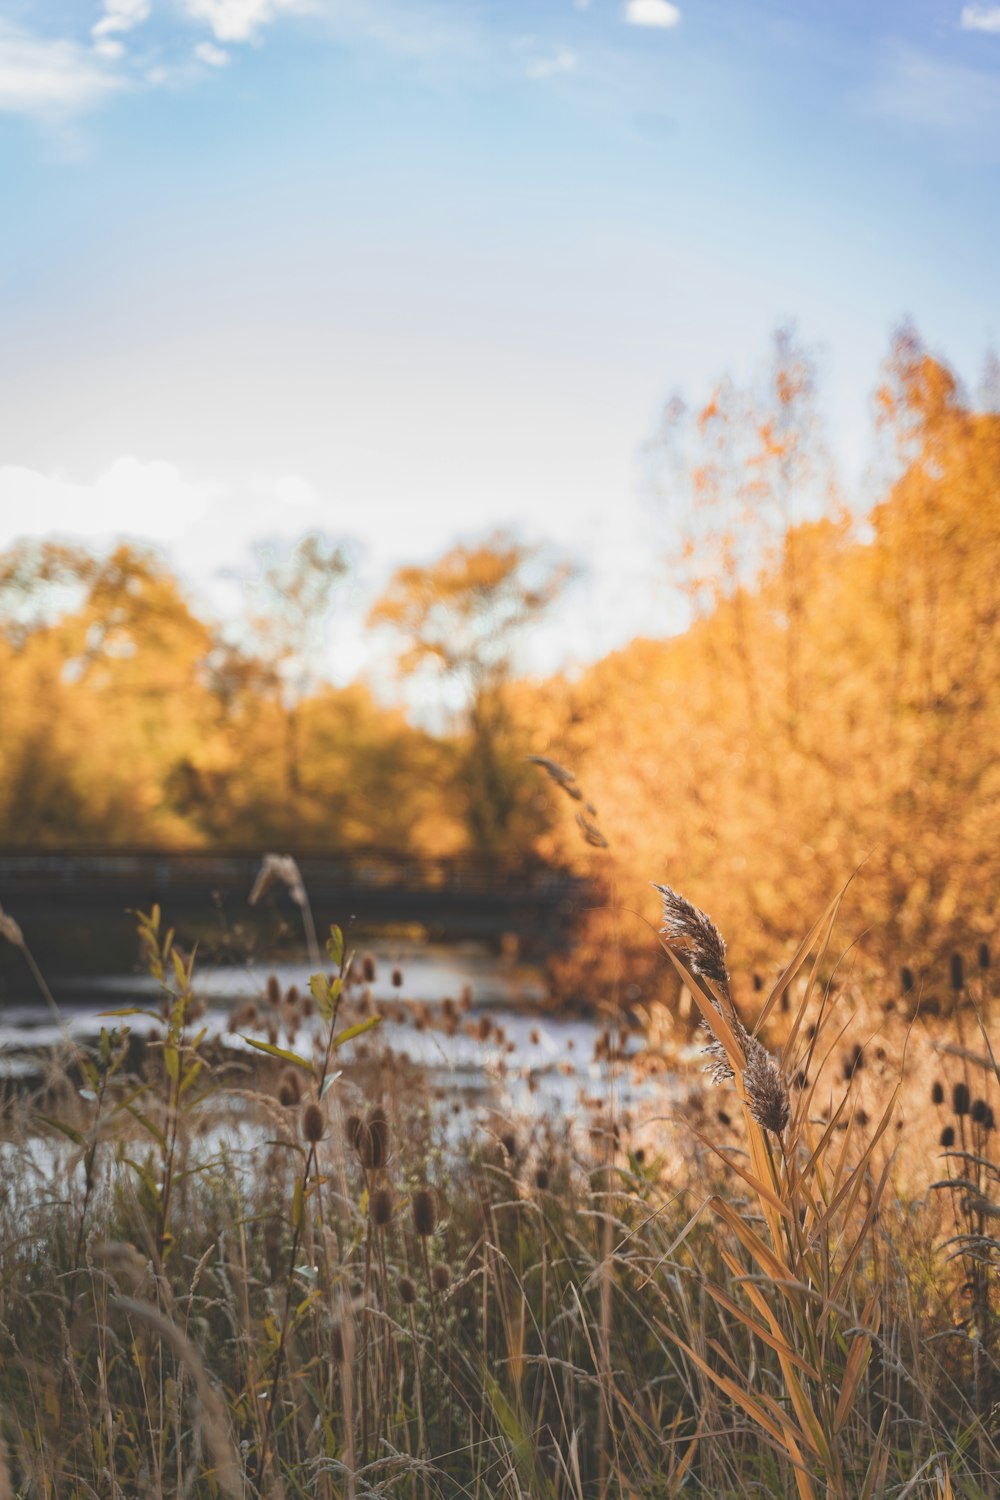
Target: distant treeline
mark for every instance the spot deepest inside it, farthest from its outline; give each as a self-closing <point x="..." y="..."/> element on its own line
<point x="833" y="707"/>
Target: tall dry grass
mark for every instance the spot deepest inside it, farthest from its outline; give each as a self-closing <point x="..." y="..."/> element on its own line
<point x="304" y="1278"/>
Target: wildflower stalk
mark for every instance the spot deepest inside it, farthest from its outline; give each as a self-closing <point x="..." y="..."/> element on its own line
<point x="328" y="997"/>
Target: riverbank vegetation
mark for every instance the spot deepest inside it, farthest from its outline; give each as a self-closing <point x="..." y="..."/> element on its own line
<point x="324" y="1277"/>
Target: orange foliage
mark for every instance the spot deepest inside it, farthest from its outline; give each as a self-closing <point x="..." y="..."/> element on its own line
<point x="834" y="709"/>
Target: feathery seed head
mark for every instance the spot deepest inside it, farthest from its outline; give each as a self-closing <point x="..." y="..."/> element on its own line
<point x="766" y="1091"/>
<point x="694" y="937"/>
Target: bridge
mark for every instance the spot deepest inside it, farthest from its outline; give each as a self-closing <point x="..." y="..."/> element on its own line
<point x="57" y="890"/>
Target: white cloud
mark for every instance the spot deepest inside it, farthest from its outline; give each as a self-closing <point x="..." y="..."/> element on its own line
<point x="562" y="60"/>
<point x="48" y="77"/>
<point x="130" y="496"/>
<point x="659" y="13"/>
<point x="121" y="15"/>
<point x="981" y="18"/>
<point x="239" y="20"/>
<point x="108" y="48"/>
<point x="208" y="52"/>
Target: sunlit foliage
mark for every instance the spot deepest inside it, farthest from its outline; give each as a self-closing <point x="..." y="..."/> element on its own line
<point x="832" y="706"/>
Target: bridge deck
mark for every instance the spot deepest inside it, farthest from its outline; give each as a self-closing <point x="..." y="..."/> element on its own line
<point x="369" y="884"/>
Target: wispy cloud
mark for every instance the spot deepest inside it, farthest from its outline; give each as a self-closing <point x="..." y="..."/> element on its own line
<point x="561" y="60"/>
<point x="921" y="90"/>
<point x="656" y="13"/>
<point x="981" y="18"/>
<point x="121" y="15"/>
<point x="240" y="20"/>
<point x="50" y="78"/>
<point x="211" y="55"/>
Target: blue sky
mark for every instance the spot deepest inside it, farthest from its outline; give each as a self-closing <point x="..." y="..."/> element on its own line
<point x="407" y="271"/>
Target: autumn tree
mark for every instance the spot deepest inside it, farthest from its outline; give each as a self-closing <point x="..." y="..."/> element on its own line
<point x="459" y="621"/>
<point x="290" y="606"/>
<point x="101" y="699"/>
<point x="735" y="479"/>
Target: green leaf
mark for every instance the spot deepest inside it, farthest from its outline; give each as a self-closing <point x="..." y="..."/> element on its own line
<point x="172" y="1062"/>
<point x="282" y="1052"/>
<point x="147" y="1124"/>
<point x="329" y="1081"/>
<point x="320" y="991"/>
<point x="191" y="1075"/>
<point x="335" y="946"/>
<point x="132" y="1010"/>
<point x="67" y="1130"/>
<point x="353" y="1031"/>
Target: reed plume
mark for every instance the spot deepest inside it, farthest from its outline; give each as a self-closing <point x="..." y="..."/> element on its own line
<point x="693" y="936"/>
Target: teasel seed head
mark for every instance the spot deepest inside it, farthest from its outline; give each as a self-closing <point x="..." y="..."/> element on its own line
<point x="947" y="1137"/>
<point x="368" y="969"/>
<point x="957" y="972"/>
<point x="937" y="1092"/>
<point x="397" y="979"/>
<point x="372" y="1143"/>
<point x="906" y="979"/>
<point x="441" y="1276"/>
<point x="542" y="1179"/>
<point x="273" y="990"/>
<point x="407" y="1291"/>
<point x="424" y="1212"/>
<point x="289" y="1088"/>
<point x="979" y="1111"/>
<point x="313" y="1123"/>
<point x="382" y="1206"/>
<point x="984" y="955"/>
<point x="337" y="1344"/>
<point x="961" y="1100"/>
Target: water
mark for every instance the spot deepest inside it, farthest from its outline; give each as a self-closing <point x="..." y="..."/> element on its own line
<point x="531" y="1061"/>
